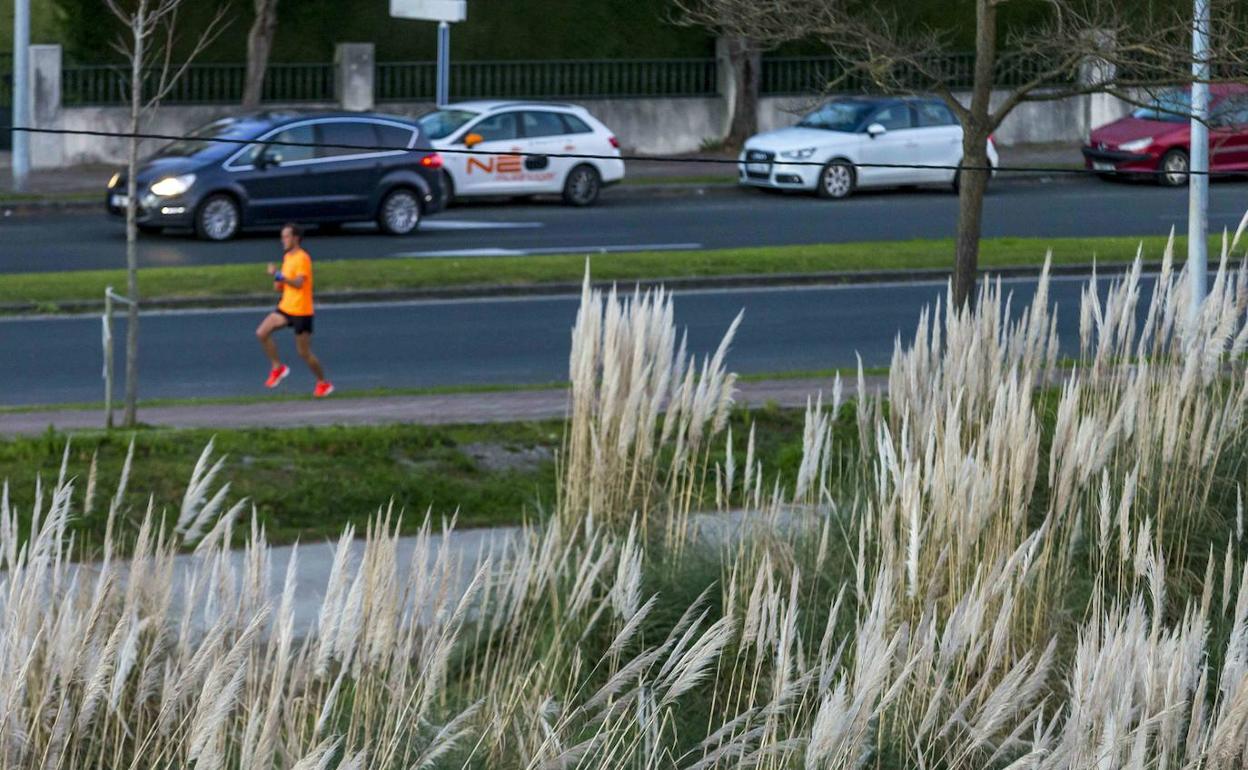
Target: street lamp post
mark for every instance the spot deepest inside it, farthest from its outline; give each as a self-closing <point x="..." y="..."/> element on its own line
<point x="21" y="92"/>
<point x="1198" y="165"/>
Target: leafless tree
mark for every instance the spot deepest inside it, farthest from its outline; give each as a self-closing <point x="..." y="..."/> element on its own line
<point x="259" y="45"/>
<point x="148" y="45"/>
<point x="1128" y="49"/>
<point x="732" y="23"/>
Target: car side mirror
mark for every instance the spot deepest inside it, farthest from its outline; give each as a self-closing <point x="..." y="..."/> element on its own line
<point x="876" y="129"/>
<point x="472" y="140"/>
<point x="269" y="157"/>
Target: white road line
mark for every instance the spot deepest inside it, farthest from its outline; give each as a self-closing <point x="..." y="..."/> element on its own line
<point x="472" y="224"/>
<point x="497" y="252"/>
<point x="1102" y="279"/>
<point x="1212" y="215"/>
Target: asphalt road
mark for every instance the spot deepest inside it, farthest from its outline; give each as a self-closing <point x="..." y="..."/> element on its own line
<point x="630" y="221"/>
<point x="500" y="341"/>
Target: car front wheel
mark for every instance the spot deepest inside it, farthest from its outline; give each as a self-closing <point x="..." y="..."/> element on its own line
<point x="218" y="218"/>
<point x="399" y="213"/>
<point x="836" y="180"/>
<point x="1174" y="168"/>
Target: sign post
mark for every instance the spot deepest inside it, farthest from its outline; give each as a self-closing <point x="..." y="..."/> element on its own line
<point x="445" y="13"/>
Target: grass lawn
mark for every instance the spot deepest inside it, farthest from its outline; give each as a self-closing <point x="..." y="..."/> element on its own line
<point x="307" y="483"/>
<point x="45" y="290"/>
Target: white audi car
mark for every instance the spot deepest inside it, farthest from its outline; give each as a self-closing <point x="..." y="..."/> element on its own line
<point x="826" y="151"/>
<point x="495" y="130"/>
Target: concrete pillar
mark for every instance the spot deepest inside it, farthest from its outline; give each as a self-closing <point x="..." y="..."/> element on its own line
<point x="353" y="76"/>
<point x="46" y="150"/>
<point x="1098" y="71"/>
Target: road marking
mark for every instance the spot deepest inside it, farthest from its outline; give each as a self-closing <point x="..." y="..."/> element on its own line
<point x="1102" y="279"/>
<point x="471" y="224"/>
<point x="497" y="252"/>
<point x="1211" y="215"/>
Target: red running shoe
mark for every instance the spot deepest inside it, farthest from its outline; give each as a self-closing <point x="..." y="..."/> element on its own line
<point x="323" y="389"/>
<point x="277" y="375"/>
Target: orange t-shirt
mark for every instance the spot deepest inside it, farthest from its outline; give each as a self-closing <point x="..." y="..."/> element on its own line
<point x="296" y="301"/>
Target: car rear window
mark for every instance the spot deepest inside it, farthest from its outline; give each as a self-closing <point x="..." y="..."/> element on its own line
<point x="575" y="125"/>
<point x="390" y="135"/>
<point x="538" y="124"/>
<point x="351" y="133"/>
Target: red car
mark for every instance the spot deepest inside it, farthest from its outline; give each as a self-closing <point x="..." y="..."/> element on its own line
<point x="1157" y="138"/>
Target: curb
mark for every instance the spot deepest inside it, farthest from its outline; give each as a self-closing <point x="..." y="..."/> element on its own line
<point x="675" y="189"/>
<point x="571" y="288"/>
<point x="49" y="205"/>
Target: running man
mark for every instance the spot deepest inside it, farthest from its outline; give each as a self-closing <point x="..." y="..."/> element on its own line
<point x="294" y="281"/>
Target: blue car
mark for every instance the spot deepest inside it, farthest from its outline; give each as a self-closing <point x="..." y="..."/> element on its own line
<point x="218" y="188"/>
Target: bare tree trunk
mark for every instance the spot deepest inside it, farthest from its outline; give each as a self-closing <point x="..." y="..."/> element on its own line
<point x="259" y="45"/>
<point x="975" y="132"/>
<point x="746" y="62"/>
<point x="971" y="188"/>
<point x="132" y="247"/>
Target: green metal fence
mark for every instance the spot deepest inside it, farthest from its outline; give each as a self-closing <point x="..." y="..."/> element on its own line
<point x="568" y="79"/>
<point x="815" y="75"/>
<point x="199" y="84"/>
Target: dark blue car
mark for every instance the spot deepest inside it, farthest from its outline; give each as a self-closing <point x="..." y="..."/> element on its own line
<point x="219" y="188"/>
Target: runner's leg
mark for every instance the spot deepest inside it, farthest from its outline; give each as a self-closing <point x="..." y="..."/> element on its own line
<point x="303" y="344"/>
<point x="264" y="332"/>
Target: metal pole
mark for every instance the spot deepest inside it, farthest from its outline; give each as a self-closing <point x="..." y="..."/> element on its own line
<point x="21" y="92"/>
<point x="444" y="63"/>
<point x="108" y="357"/>
<point x="1198" y="180"/>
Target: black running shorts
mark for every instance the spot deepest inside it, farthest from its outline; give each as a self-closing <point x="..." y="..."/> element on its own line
<point x="300" y="324"/>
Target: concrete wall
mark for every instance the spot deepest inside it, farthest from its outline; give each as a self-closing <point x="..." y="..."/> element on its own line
<point x="172" y="121"/>
<point x="651" y="126"/>
<point x="657" y="126"/>
<point x="1059" y="121"/>
<point x="647" y="126"/>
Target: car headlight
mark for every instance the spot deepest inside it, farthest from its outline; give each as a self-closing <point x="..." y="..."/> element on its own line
<point x="113" y="180"/>
<point x="801" y="154"/>
<point x="173" y="185"/>
<point x="1136" y="145"/>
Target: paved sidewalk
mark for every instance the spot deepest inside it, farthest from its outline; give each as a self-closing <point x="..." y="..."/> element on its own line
<point x="465" y="551"/>
<point x="458" y="408"/>
<point x="59" y="181"/>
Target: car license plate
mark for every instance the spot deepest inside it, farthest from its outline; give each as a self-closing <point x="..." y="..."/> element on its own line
<point x="1100" y="165"/>
<point x="120" y="201"/>
<point x="758" y="168"/>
